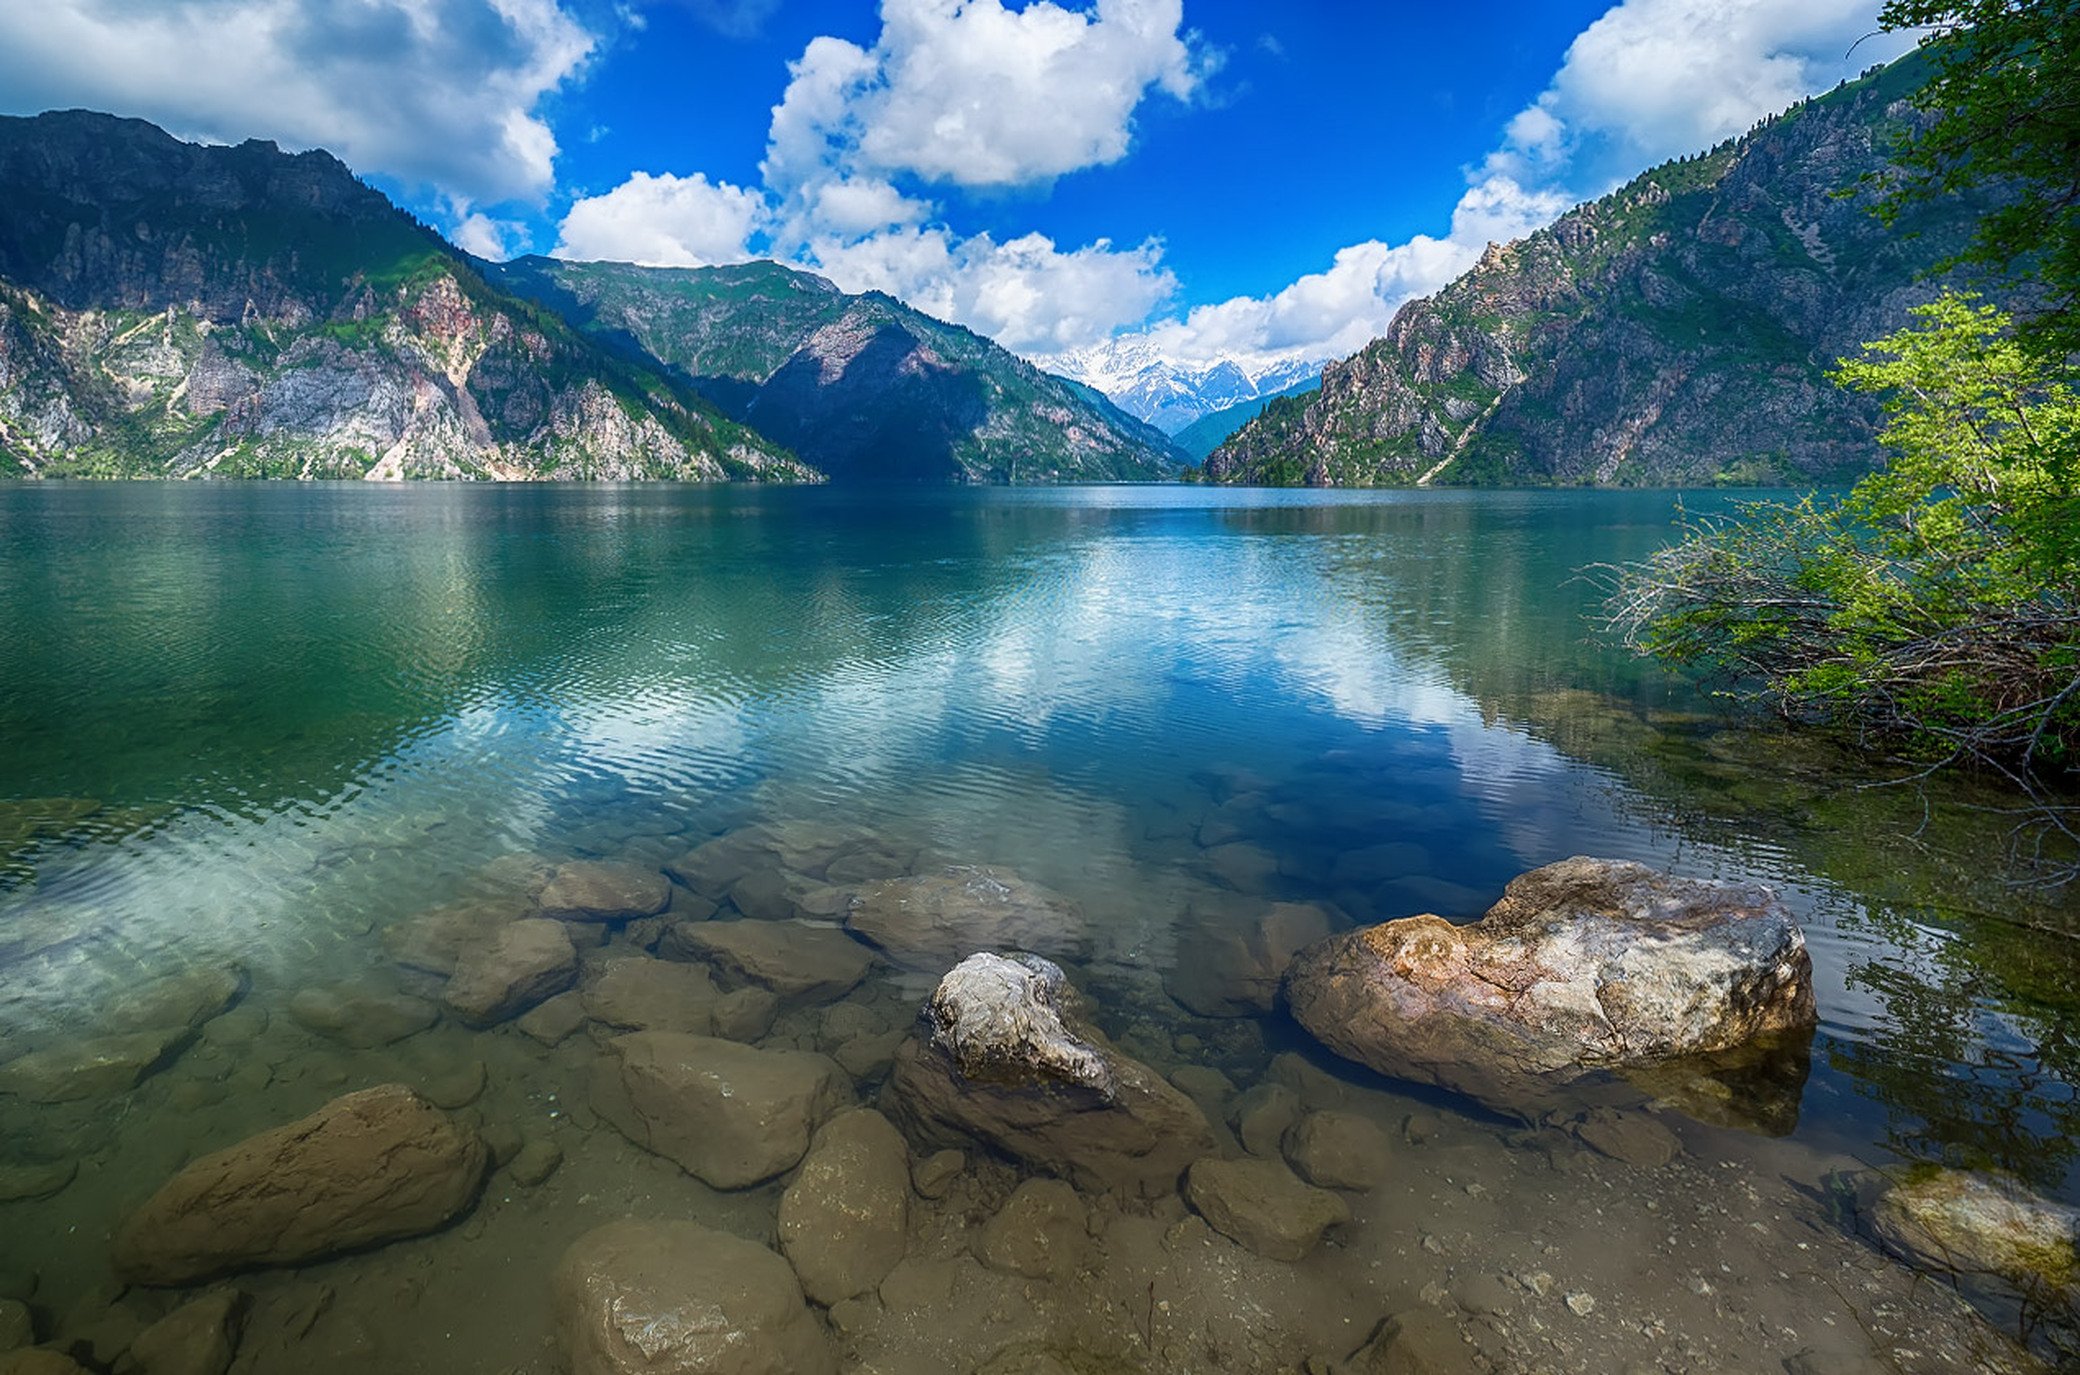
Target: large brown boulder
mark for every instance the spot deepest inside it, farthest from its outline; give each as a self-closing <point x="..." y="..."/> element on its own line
<point x="930" y="921"/>
<point x="676" y="1298"/>
<point x="1584" y="965"/>
<point x="732" y="1114"/>
<point x="370" y="1167"/>
<point x="1002" y="1057"/>
<point x="845" y="1221"/>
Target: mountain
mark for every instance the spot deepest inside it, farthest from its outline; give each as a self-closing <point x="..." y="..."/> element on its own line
<point x="1169" y="395"/>
<point x="1676" y="332"/>
<point x="863" y="387"/>
<point x="168" y="309"/>
<point x="1209" y="432"/>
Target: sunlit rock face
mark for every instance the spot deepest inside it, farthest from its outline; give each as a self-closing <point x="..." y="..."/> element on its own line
<point x="1587" y="965"/>
<point x="1000" y="1056"/>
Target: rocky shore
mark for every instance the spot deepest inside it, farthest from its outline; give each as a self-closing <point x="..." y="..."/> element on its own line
<point x="796" y="1099"/>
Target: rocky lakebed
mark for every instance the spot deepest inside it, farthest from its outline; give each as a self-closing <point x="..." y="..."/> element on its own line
<point x="795" y="1097"/>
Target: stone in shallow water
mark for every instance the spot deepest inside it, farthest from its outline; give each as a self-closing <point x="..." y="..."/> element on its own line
<point x="1229" y="962"/>
<point x="1339" y="1150"/>
<point x="97" y="1068"/>
<point x="17" y="1325"/>
<point x="38" y="1360"/>
<point x="554" y="1019"/>
<point x="588" y="890"/>
<point x="795" y="960"/>
<point x="19" y="1182"/>
<point x="844" y="1221"/>
<point x="186" y="999"/>
<point x="1583" y="965"/>
<point x="1042" y="1231"/>
<point x="676" y="1298"/>
<point x="362" y="1016"/>
<point x="664" y="995"/>
<point x="536" y="1161"/>
<point x="432" y="941"/>
<point x="528" y="961"/>
<point x="1263" y="1205"/>
<point x="1421" y="1341"/>
<point x="1002" y="1058"/>
<point x="1955" y="1223"/>
<point x="1632" y="1137"/>
<point x="370" y="1167"/>
<point x="732" y="1114"/>
<point x="198" y="1338"/>
<point x="1262" y="1116"/>
<point x="933" y="920"/>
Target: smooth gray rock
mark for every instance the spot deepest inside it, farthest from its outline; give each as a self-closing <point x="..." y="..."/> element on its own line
<point x="588" y="890"/>
<point x="1001" y="1057"/>
<point x="361" y="1016"/>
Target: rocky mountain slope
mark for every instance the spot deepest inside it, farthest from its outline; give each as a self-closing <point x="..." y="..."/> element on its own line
<point x="1171" y="396"/>
<point x="168" y="309"/>
<point x="1678" y="331"/>
<point x="863" y="387"/>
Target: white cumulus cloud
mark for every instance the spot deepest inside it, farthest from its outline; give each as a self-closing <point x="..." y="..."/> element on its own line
<point x="436" y="93"/>
<point x="1647" y="81"/>
<point x="664" y="221"/>
<point x="971" y="93"/>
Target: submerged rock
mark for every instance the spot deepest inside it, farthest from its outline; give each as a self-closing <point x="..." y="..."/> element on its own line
<point x="795" y="960"/>
<point x="26" y="1181"/>
<point x="1632" y="1137"/>
<point x="930" y="921"/>
<point x="433" y="940"/>
<point x="1263" y="1205"/>
<point x="1956" y="1223"/>
<point x="186" y="999"/>
<point x="370" y="1167"/>
<point x="663" y="995"/>
<point x="198" y="1338"/>
<point x="1000" y="1058"/>
<point x="360" y="1016"/>
<point x="1229" y="963"/>
<point x="1583" y="965"/>
<point x="587" y="890"/>
<point x="845" y="1220"/>
<point x="676" y="1298"/>
<point x="1339" y="1150"/>
<point x="1042" y="1231"/>
<point x="528" y="961"/>
<point x="97" y="1068"/>
<point x="732" y="1114"/>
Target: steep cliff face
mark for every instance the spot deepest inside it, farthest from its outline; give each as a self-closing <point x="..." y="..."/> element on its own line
<point x="174" y="310"/>
<point x="1675" y="332"/>
<point x="863" y="387"/>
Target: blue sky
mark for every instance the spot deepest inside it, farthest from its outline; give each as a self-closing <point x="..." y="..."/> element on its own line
<point x="1084" y="180"/>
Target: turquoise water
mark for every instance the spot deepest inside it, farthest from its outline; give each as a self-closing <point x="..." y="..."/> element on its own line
<point x="264" y="723"/>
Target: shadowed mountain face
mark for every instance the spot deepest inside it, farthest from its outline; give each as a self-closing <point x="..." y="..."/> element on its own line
<point x="863" y="387"/>
<point x="168" y="309"/>
<point x="1676" y="332"/>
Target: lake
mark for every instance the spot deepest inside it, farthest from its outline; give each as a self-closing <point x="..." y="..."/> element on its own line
<point x="263" y="728"/>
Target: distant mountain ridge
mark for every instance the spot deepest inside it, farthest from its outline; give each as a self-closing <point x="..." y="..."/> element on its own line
<point x="1209" y="432"/>
<point x="171" y="309"/>
<point x="862" y="386"/>
<point x="1169" y="395"/>
<point x="1675" y="332"/>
